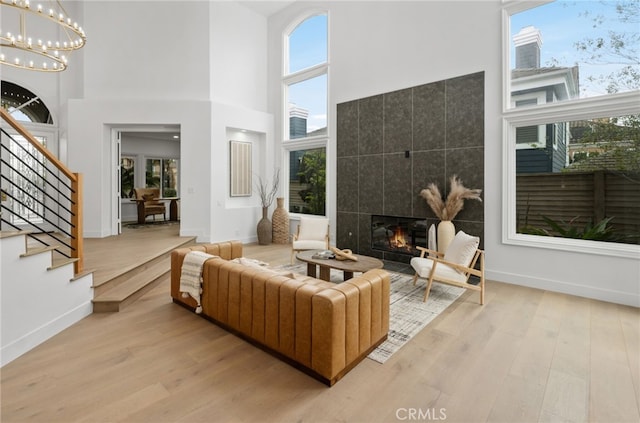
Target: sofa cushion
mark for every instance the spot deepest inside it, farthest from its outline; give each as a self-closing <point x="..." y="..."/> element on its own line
<point x="257" y="264"/>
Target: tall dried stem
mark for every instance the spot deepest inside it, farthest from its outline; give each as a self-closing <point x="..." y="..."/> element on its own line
<point x="267" y="192"/>
<point x="448" y="209"/>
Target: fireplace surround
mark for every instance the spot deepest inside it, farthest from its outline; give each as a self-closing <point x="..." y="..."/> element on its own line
<point x="391" y="145"/>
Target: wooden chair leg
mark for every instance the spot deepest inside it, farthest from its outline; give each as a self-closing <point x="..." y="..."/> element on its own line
<point x="426" y="292"/>
<point x="415" y="279"/>
<point x="482" y="291"/>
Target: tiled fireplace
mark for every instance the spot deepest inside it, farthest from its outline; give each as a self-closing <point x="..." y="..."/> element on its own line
<point x="390" y="146"/>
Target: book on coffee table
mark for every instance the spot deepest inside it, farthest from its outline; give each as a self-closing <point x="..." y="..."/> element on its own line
<point x="323" y="255"/>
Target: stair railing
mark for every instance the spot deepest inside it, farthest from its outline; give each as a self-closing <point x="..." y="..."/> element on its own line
<point x="44" y="195"/>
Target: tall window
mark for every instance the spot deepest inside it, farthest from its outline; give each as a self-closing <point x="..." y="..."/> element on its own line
<point x="572" y="125"/>
<point x="127" y="176"/>
<point x="163" y="174"/>
<point x="28" y="185"/>
<point x="305" y="79"/>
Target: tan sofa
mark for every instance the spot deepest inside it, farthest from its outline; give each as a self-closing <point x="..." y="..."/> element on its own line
<point x="322" y="328"/>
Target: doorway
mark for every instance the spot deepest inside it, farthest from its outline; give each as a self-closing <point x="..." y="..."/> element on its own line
<point x="144" y="157"/>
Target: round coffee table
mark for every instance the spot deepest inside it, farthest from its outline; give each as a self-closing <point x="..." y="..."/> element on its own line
<point x="348" y="267"/>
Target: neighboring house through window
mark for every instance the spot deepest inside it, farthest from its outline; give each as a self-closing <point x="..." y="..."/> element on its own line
<point x="568" y="101"/>
<point x="305" y="78"/>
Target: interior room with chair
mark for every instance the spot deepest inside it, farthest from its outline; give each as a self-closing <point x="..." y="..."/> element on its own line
<point x="149" y="204"/>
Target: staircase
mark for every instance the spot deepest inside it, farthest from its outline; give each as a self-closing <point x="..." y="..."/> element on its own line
<point x="115" y="292"/>
<point x="41" y="295"/>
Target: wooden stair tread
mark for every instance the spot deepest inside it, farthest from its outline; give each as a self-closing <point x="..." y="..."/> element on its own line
<point x="135" y="283"/>
<point x="9" y="234"/>
<point x="57" y="263"/>
<point x="39" y="250"/>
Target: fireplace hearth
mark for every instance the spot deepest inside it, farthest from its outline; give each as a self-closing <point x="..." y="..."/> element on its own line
<point x="397" y="234"/>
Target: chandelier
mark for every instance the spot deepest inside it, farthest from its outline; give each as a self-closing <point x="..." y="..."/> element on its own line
<point x="38" y="38"/>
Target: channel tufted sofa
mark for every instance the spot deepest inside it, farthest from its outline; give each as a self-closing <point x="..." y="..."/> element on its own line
<point x="322" y="328"/>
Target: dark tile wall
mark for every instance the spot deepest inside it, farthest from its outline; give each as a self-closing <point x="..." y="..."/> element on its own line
<point x="390" y="146"/>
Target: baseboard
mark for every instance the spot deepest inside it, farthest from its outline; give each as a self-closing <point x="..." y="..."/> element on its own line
<point x="595" y="293"/>
<point x="15" y="349"/>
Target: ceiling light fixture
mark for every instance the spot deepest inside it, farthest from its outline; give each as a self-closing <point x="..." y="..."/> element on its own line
<point x="42" y="51"/>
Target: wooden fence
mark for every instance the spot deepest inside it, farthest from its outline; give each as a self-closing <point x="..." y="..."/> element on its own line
<point x="580" y="196"/>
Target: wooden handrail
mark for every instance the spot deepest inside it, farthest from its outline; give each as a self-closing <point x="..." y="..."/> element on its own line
<point x="76" y="190"/>
<point x="35" y="143"/>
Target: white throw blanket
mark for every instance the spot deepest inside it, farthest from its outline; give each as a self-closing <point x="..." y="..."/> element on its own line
<point x="191" y="276"/>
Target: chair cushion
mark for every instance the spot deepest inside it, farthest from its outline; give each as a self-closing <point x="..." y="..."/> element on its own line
<point x="423" y="267"/>
<point x="309" y="245"/>
<point x="313" y="229"/>
<point x="462" y="249"/>
<point x="155" y="209"/>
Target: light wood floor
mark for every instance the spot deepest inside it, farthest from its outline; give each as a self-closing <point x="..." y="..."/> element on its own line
<point x="525" y="356"/>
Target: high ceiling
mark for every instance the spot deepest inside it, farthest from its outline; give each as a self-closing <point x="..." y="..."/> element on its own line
<point x="266" y="7"/>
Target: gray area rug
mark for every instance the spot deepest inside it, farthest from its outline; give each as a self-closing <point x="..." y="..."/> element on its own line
<point x="408" y="313"/>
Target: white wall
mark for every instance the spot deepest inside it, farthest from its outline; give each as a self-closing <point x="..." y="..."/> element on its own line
<point x="36" y="303"/>
<point x="90" y="123"/>
<point x="147" y="49"/>
<point x="236" y="218"/>
<point x="202" y="66"/>
<point x="238" y="56"/>
<point x="376" y="47"/>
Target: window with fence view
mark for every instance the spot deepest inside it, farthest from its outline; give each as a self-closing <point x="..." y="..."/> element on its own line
<point x="577" y="173"/>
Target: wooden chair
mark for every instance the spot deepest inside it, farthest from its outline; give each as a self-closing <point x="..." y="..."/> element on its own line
<point x="148" y="203"/>
<point x="454" y="267"/>
<point x="312" y="234"/>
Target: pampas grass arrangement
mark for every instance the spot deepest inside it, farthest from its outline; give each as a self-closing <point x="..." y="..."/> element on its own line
<point x="449" y="208"/>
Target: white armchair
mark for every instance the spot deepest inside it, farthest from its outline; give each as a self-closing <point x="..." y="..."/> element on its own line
<point x="312" y="234"/>
<point x="454" y="267"/>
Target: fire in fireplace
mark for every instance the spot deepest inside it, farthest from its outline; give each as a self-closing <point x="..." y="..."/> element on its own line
<point x="397" y="234"/>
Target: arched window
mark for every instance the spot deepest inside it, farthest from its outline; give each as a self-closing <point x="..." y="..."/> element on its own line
<point x="305" y="83"/>
<point x="26" y="173"/>
<point x="24" y="105"/>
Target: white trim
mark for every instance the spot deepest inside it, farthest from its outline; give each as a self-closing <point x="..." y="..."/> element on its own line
<point x="36" y="337"/>
<point x="602" y="294"/>
<point x="516" y="6"/>
<point x="306" y="74"/>
<point x="305" y="143"/>
<point x="613" y="105"/>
